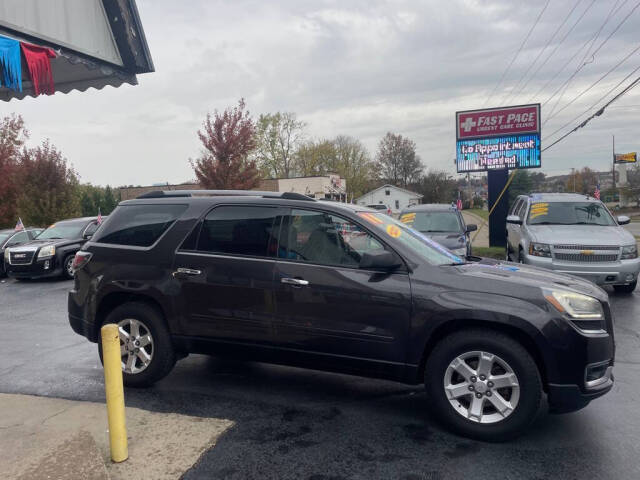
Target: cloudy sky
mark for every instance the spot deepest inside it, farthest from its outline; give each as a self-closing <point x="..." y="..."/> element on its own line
<point x="352" y="67"/>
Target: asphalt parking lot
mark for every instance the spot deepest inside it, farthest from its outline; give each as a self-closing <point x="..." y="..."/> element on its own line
<point x="294" y="423"/>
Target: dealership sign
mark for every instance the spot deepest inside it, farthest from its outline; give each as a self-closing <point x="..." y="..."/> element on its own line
<point x="626" y="157"/>
<point x="498" y="138"/>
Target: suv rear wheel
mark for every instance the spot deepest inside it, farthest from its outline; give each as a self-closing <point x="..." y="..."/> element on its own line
<point x="146" y="351"/>
<point x="483" y="384"/>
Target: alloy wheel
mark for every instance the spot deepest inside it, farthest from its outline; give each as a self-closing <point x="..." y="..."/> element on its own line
<point x="481" y="387"/>
<point x="136" y="345"/>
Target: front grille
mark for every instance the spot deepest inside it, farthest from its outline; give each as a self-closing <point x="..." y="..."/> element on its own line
<point x="578" y="257"/>
<point x="586" y="247"/>
<point x="20" y="258"/>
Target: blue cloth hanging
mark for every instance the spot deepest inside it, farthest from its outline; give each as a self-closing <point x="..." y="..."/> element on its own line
<point x="11" y="75"/>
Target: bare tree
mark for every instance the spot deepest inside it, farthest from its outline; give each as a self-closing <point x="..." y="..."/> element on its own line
<point x="397" y="160"/>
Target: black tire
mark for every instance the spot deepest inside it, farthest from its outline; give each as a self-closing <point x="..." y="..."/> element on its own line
<point x="520" y="255"/>
<point x="514" y="354"/>
<point x="66" y="270"/>
<point x="626" y="288"/>
<point x="163" y="358"/>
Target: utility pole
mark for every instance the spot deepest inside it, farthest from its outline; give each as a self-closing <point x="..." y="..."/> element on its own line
<point x="613" y="155"/>
<point x="573" y="174"/>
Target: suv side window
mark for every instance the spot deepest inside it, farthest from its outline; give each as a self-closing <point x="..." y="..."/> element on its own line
<point x="319" y="237"/>
<point x="516" y="206"/>
<point x="138" y="225"/>
<point x="522" y="209"/>
<point x="239" y="230"/>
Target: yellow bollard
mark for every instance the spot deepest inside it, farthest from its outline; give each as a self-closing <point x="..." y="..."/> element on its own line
<point x="115" y="392"/>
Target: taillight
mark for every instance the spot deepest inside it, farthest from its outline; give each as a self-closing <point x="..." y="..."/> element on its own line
<point x="80" y="260"/>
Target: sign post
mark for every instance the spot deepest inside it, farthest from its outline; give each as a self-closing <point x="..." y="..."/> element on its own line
<point x="495" y="140"/>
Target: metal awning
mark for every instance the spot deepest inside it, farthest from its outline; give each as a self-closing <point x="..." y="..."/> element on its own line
<point x="114" y="56"/>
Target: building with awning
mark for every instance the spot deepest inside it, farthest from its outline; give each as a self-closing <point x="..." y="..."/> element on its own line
<point x="63" y="45"/>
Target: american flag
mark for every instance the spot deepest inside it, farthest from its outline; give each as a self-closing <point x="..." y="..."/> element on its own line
<point x="596" y="194"/>
<point x="19" y="225"/>
<point x="459" y="202"/>
<point x="99" y="217"/>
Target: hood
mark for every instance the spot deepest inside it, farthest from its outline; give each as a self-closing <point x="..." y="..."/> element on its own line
<point x="581" y="234"/>
<point x="37" y="244"/>
<point x="528" y="276"/>
<point x="447" y="240"/>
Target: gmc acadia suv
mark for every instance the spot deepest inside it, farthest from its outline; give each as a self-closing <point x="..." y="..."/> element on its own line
<point x="282" y="278"/>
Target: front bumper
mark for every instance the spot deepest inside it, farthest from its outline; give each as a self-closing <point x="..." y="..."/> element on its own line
<point x="44" y="268"/>
<point x="569" y="398"/>
<point x="622" y="272"/>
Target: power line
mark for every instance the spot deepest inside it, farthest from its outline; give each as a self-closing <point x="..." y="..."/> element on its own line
<point x="552" y="115"/>
<point x="596" y="114"/>
<point x="513" y="91"/>
<point x="593" y="55"/>
<point x="504" y="74"/>
<point x="566" y="64"/>
<point x="596" y="102"/>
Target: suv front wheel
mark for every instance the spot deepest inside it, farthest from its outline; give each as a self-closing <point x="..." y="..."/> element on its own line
<point x="147" y="354"/>
<point x="483" y="384"/>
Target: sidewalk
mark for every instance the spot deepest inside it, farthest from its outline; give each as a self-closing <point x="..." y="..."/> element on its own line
<point x="482" y="240"/>
<point x="54" y="439"/>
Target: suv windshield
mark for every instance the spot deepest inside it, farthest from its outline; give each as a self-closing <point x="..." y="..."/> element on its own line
<point x="433" y="221"/>
<point x="432" y="252"/>
<point x="68" y="230"/>
<point x="569" y="213"/>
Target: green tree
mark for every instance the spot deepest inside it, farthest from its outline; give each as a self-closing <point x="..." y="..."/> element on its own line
<point x="279" y="136"/>
<point x="522" y="184"/>
<point x="13" y="135"/>
<point x="316" y="158"/>
<point x="48" y="186"/>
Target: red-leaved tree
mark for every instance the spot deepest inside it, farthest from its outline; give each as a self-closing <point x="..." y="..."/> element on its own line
<point x="12" y="137"/>
<point x="228" y="138"/>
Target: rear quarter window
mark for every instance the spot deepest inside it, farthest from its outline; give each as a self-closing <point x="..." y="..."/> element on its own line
<point x="138" y="225"/>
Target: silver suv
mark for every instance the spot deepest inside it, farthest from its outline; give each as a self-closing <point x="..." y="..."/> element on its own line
<point x="575" y="234"/>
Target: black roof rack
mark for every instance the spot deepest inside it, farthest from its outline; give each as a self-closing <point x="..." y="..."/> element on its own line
<point x="224" y="193"/>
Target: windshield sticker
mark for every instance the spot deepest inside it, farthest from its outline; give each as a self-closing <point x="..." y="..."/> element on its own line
<point x="393" y="231"/>
<point x="371" y="218"/>
<point x="539" y="209"/>
<point x="408" y="218"/>
<point x="497" y="266"/>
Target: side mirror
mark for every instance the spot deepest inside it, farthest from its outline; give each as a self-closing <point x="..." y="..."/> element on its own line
<point x="87" y="237"/>
<point x="472" y="227"/>
<point x="380" y="260"/>
<point x="514" y="219"/>
<point x="623" y="220"/>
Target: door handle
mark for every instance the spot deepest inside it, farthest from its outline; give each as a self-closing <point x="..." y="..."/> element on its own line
<point x="186" y="271"/>
<point x="296" y="282"/>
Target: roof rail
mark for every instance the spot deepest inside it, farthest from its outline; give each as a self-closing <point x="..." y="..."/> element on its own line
<point x="224" y="193"/>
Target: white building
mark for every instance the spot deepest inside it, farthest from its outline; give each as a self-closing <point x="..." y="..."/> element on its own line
<point x="329" y="186"/>
<point x="393" y="197"/>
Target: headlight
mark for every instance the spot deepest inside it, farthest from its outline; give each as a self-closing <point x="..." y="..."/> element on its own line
<point x="585" y="312"/>
<point x="46" y="252"/>
<point x="628" y="252"/>
<point x="6" y="255"/>
<point x="539" y="249"/>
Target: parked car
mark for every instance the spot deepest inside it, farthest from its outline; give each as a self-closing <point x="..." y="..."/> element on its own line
<point x="574" y="234"/>
<point x="442" y="223"/>
<point x="11" y="238"/>
<point x="51" y="253"/>
<point x="379" y="206"/>
<point x="283" y="278"/>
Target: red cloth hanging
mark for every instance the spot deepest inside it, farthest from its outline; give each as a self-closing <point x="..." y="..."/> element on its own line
<point x="39" y="65"/>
